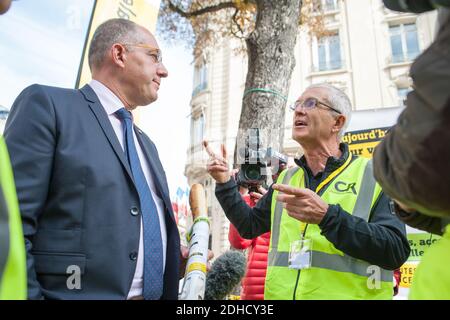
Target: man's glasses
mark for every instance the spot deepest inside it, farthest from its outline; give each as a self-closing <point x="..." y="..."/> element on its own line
<point x="311" y="103"/>
<point x="153" y="52"/>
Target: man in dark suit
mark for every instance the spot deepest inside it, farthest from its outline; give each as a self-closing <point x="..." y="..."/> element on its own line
<point x="97" y="218"/>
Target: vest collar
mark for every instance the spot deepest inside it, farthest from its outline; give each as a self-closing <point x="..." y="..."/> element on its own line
<point x="332" y="162"/>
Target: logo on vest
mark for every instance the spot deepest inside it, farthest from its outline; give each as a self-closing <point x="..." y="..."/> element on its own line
<point x="345" y="187"/>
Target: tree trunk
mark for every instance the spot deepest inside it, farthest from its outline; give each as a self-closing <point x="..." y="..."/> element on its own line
<point x="270" y="64"/>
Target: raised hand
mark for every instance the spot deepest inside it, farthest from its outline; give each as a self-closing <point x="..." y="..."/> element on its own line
<point x="217" y="165"/>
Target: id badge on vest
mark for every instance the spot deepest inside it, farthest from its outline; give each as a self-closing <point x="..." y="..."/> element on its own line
<point x="300" y="254"/>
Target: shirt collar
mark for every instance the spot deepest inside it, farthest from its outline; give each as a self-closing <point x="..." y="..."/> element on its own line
<point x="110" y="102"/>
<point x="332" y="162"/>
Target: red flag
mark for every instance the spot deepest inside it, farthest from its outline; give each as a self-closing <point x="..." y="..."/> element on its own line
<point x="175" y="210"/>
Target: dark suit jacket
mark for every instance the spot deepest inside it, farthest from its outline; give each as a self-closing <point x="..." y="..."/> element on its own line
<point x="77" y="196"/>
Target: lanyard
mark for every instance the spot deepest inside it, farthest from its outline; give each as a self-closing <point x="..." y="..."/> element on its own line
<point x="303" y="225"/>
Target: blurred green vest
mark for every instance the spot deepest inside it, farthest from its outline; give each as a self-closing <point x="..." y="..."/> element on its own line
<point x="432" y="278"/>
<point x="13" y="281"/>
<point x="333" y="274"/>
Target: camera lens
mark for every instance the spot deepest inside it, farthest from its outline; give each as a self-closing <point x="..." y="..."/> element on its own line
<point x="253" y="173"/>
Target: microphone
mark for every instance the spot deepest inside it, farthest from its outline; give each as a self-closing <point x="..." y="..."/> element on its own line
<point x="225" y="274"/>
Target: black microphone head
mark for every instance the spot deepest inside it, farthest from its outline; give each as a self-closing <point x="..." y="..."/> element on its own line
<point x="415" y="6"/>
<point x="225" y="274"/>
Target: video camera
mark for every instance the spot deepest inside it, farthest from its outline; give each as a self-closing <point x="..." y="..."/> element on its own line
<point x="255" y="162"/>
<point x="415" y="6"/>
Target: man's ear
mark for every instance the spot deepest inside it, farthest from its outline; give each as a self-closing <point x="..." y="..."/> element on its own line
<point x="339" y="122"/>
<point x="118" y="55"/>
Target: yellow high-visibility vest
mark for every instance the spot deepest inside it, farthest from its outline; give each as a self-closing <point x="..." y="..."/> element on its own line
<point x="431" y="280"/>
<point x="333" y="274"/>
<point x="13" y="281"/>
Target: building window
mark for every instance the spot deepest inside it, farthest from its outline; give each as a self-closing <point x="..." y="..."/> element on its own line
<point x="404" y="42"/>
<point x="402" y="93"/>
<point x="3" y="113"/>
<point x="329" y="5"/>
<point x="325" y="6"/>
<point x="200" y="78"/>
<point x="197" y="130"/>
<point x="328" y="53"/>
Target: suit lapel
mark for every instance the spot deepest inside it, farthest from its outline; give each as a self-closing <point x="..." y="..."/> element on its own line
<point x="155" y="170"/>
<point x="105" y="124"/>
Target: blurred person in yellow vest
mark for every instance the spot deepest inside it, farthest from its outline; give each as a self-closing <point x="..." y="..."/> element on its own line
<point x="431" y="280"/>
<point x="12" y="247"/>
<point x="411" y="164"/>
<point x="333" y="235"/>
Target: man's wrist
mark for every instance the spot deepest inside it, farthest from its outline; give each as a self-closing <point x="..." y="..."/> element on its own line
<point x="230" y="184"/>
<point x="328" y="217"/>
<point x="224" y="181"/>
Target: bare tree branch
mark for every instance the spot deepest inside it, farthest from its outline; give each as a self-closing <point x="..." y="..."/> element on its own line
<point x="234" y="19"/>
<point x="218" y="7"/>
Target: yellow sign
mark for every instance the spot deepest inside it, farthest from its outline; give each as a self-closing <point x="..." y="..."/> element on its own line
<point x="419" y="243"/>
<point x="143" y="12"/>
<point x="407" y="271"/>
<point x="363" y="142"/>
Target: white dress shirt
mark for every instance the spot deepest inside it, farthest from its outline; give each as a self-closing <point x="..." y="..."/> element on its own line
<point x="111" y="103"/>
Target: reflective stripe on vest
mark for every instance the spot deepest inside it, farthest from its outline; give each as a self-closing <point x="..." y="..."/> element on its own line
<point x="364" y="200"/>
<point x="334" y="262"/>
<point x="275" y="229"/>
<point x="329" y="261"/>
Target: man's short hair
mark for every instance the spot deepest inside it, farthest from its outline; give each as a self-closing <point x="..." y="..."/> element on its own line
<point x="110" y="32"/>
<point x="338" y="100"/>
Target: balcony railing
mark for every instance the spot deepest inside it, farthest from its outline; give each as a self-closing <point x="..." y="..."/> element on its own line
<point x="329" y="7"/>
<point x="329" y="66"/>
<point x="325" y="7"/>
<point x="196" y="157"/>
<point x="405" y="57"/>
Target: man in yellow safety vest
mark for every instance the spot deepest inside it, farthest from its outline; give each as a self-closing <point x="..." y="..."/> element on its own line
<point x="333" y="235"/>
<point x="12" y="250"/>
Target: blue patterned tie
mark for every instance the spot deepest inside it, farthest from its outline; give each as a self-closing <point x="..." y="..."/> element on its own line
<point x="153" y="255"/>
